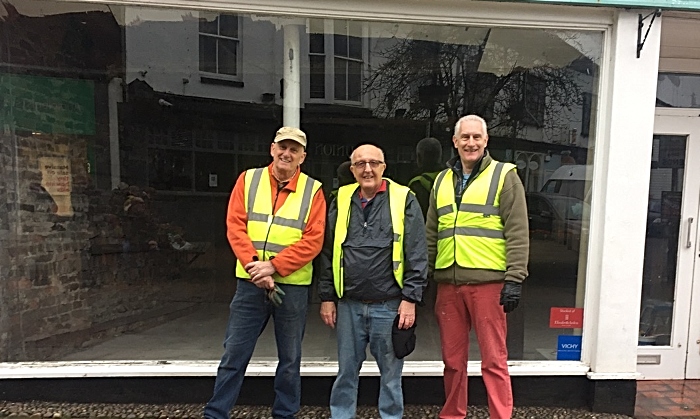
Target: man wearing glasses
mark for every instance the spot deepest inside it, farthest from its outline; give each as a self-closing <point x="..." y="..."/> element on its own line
<point x="374" y="267"/>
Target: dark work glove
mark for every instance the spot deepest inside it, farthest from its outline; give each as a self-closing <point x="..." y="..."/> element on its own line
<point x="275" y="296"/>
<point x="510" y="296"/>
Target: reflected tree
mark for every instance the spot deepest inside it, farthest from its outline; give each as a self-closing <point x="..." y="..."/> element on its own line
<point x="441" y="81"/>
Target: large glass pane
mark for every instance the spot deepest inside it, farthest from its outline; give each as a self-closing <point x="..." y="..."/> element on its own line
<point x="340" y="45"/>
<point x="317" y="76"/>
<point x="207" y="53"/>
<point x="316" y="36"/>
<point x="209" y="23"/>
<point x="676" y="90"/>
<point x="354" y="80"/>
<point x="120" y="156"/>
<point x="316" y="44"/>
<point x="228" y="25"/>
<point x="355" y="47"/>
<point x="228" y="57"/>
<point x="341" y="79"/>
<point x="661" y="247"/>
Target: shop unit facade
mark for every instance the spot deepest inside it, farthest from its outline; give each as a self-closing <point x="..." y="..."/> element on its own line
<point x="119" y="156"/>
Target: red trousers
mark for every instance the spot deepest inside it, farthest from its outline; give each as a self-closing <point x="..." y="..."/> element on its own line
<point x="458" y="308"/>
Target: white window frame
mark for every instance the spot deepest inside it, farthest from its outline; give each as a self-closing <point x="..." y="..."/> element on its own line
<point x="601" y="357"/>
<point x="239" y="48"/>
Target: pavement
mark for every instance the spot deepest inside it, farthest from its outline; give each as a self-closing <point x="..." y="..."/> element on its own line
<point x="48" y="410"/>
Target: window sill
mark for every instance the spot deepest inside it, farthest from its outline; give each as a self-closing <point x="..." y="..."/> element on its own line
<point x="221" y="82"/>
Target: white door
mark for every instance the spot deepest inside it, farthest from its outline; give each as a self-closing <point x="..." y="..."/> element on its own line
<point x="669" y="327"/>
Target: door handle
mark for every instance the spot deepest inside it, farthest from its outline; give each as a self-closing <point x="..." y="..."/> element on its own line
<point x="688" y="243"/>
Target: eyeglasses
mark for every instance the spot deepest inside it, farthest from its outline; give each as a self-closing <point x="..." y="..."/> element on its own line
<point x="372" y="163"/>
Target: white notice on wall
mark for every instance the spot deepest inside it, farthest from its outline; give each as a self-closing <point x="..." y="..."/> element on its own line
<point x="56" y="179"/>
<point x="213" y="180"/>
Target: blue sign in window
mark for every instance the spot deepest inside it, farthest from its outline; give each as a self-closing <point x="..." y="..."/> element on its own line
<point x="568" y="348"/>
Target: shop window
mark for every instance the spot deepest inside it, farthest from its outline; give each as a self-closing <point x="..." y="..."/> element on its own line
<point x="219" y="44"/>
<point x="147" y="242"/>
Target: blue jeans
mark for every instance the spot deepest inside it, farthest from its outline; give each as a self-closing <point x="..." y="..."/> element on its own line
<point x="357" y="325"/>
<point x="250" y="312"/>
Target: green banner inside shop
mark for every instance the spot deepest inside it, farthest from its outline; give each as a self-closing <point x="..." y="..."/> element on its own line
<point x="48" y="105"/>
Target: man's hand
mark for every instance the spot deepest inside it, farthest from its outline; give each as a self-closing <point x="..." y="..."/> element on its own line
<point x="328" y="313"/>
<point x="407" y="314"/>
<point x="265" y="282"/>
<point x="510" y="296"/>
<point x="257" y="269"/>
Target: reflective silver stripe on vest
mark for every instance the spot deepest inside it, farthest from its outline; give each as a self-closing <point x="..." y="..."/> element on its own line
<point x="255" y="216"/>
<point x="447" y="209"/>
<point x="395" y="263"/>
<point x="260" y="245"/>
<point x="484" y="209"/>
<point x="493" y="188"/>
<point x="306" y="203"/>
<point x="253" y="193"/>
<point x="286" y="222"/>
<point x="470" y="231"/>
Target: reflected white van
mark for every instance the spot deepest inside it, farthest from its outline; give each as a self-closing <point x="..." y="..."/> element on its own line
<point x="569" y="180"/>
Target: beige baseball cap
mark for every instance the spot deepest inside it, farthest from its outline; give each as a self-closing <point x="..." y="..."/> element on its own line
<point x="290" y="133"/>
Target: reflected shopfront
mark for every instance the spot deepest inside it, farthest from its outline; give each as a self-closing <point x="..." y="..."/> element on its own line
<point x="119" y="155"/>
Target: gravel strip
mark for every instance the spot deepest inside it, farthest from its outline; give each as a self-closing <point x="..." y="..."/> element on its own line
<point x="49" y="410"/>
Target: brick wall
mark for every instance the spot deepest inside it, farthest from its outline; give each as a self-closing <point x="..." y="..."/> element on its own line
<point x="70" y="281"/>
<point x="73" y="268"/>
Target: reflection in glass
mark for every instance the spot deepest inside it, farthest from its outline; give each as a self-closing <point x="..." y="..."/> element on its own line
<point x="155" y="122"/>
<point x="678" y="90"/>
<point x="661" y="249"/>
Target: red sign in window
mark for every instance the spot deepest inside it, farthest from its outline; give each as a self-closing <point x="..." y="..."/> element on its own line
<point x="565" y="318"/>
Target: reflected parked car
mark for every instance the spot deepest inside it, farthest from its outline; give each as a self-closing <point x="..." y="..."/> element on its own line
<point x="557" y="217"/>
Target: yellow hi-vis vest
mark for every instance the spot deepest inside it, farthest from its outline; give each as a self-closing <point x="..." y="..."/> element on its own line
<point x="270" y="233"/>
<point x="397" y="206"/>
<point x="425" y="179"/>
<point x="471" y="235"/>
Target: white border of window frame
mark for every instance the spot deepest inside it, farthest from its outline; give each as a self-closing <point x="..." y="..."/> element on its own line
<point x="239" y="51"/>
<point x="454" y="12"/>
<point x="92" y="369"/>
